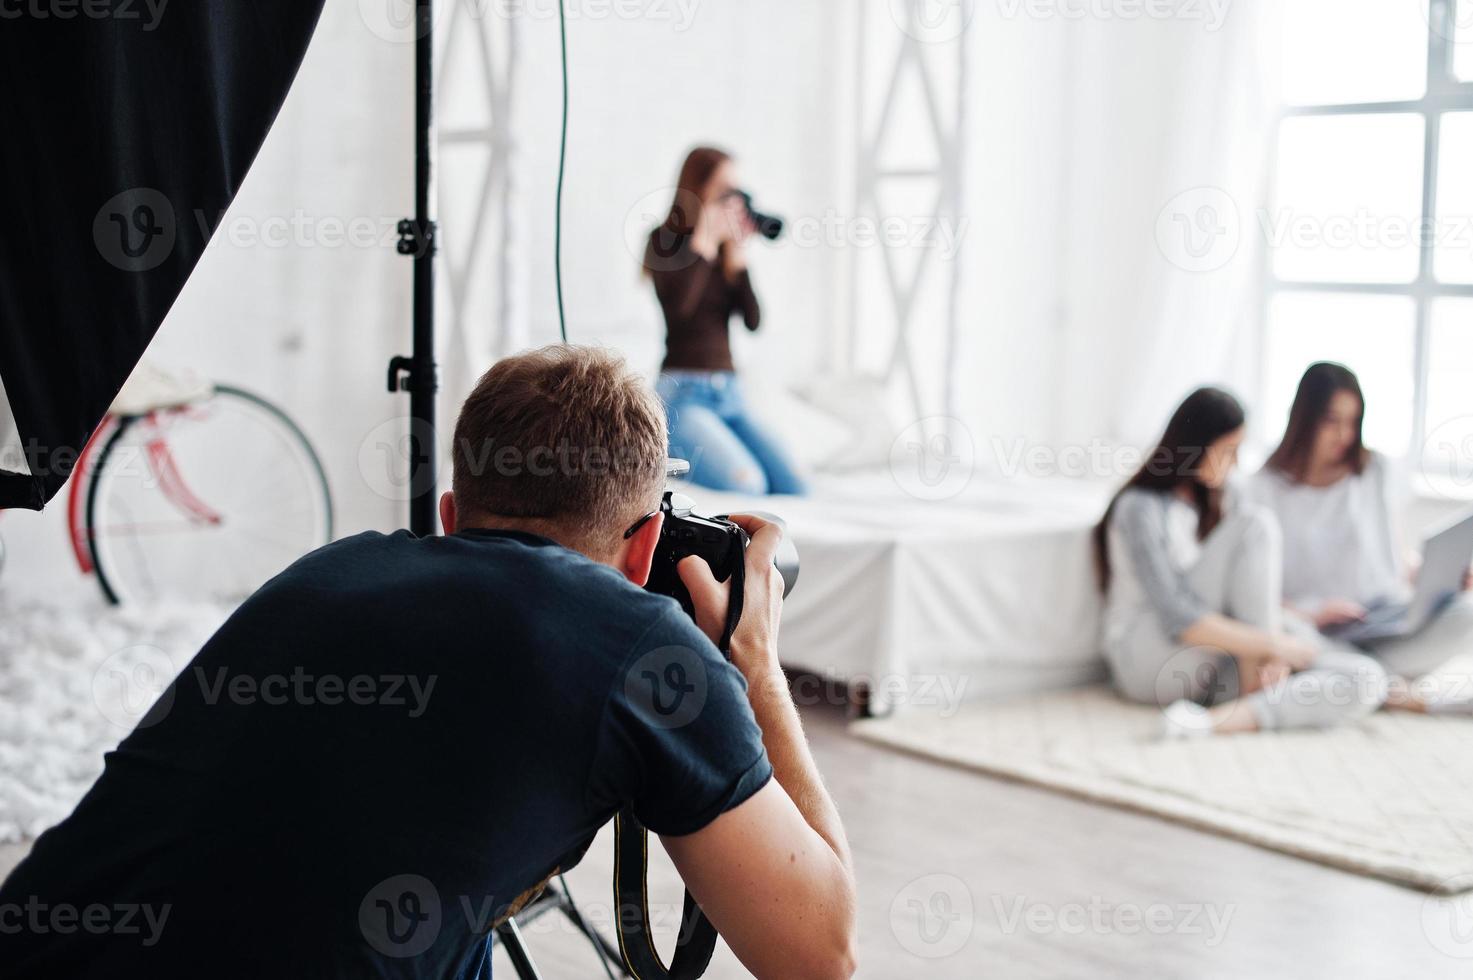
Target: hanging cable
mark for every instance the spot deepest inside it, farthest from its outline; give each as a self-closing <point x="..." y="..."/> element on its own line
<point x="562" y="161"/>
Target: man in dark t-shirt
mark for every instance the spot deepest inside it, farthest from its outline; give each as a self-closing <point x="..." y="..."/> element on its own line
<point x="397" y="740"/>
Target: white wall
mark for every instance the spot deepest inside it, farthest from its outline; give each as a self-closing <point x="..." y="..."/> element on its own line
<point x="1014" y="281"/>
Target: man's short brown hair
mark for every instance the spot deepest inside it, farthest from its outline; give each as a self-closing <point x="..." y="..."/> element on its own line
<point x="562" y="438"/>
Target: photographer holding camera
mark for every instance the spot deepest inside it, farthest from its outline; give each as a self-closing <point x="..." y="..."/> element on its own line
<point x="697" y="260"/>
<point x="343" y="826"/>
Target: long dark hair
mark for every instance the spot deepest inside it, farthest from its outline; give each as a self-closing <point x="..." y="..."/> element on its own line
<point x="1319" y="385"/>
<point x="1204" y="417"/>
<point x="667" y="239"/>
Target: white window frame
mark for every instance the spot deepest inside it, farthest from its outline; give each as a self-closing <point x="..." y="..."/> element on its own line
<point x="1445" y="93"/>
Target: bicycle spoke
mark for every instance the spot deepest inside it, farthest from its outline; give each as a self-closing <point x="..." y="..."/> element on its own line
<point x="233" y="457"/>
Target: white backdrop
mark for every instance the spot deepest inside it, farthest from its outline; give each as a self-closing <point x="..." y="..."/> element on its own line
<point x="1170" y="142"/>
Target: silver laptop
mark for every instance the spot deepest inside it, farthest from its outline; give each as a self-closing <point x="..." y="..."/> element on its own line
<point x="1446" y="555"/>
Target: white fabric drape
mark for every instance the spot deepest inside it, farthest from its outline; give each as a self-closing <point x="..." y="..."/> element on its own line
<point x="1168" y="164"/>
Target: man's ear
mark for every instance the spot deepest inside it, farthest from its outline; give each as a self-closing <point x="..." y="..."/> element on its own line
<point x="639" y="551"/>
<point x="447" y="511"/>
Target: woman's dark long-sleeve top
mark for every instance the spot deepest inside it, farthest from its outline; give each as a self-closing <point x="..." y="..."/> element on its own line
<point x="698" y="301"/>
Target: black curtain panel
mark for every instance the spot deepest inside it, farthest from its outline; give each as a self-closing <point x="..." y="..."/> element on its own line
<point x="126" y="128"/>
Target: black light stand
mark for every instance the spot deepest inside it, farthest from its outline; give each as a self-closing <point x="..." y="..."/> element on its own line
<point x="554" y="898"/>
<point x="417" y="373"/>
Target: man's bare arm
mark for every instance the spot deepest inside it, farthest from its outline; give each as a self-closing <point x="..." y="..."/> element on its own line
<point x="773" y="874"/>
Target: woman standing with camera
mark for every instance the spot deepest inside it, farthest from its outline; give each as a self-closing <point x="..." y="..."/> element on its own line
<point x="697" y="261"/>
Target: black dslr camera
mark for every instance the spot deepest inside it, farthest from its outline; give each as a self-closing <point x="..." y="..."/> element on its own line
<point x="769" y="226"/>
<point x="721" y="543"/>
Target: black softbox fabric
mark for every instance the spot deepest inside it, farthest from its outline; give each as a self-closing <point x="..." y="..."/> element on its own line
<point x="126" y="128"/>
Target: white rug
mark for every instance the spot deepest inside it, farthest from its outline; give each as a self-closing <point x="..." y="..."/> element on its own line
<point x="1391" y="797"/>
<point x="74" y="679"/>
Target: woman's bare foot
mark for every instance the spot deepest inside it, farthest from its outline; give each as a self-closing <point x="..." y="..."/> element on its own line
<point x="1184" y="719"/>
<point x="1401" y="697"/>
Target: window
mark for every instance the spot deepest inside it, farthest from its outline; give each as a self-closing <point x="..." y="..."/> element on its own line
<point x="1370" y="226"/>
<point x="1463" y="41"/>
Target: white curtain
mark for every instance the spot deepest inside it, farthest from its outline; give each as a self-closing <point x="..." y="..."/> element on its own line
<point x="1168" y="159"/>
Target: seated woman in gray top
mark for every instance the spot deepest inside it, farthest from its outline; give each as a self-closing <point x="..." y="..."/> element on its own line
<point x="1336" y="500"/>
<point x="1194" y="615"/>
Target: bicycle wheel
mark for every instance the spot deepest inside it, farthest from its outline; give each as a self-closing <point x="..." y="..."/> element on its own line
<point x="204" y="502"/>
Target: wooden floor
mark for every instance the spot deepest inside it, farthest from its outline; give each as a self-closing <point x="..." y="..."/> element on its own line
<point x="1018" y="883"/>
<point x="1058" y="888"/>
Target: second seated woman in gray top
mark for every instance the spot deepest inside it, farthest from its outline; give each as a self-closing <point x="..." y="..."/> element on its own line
<point x="1194" y="616"/>
<point x="1336" y="501"/>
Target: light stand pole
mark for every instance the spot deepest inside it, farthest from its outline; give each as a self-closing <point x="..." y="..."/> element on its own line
<point x="417" y="373"/>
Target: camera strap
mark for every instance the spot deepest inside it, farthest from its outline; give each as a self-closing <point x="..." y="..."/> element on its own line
<point x="697" y="938"/>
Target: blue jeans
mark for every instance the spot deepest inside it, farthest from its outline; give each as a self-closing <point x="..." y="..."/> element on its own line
<point x="709" y="426"/>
